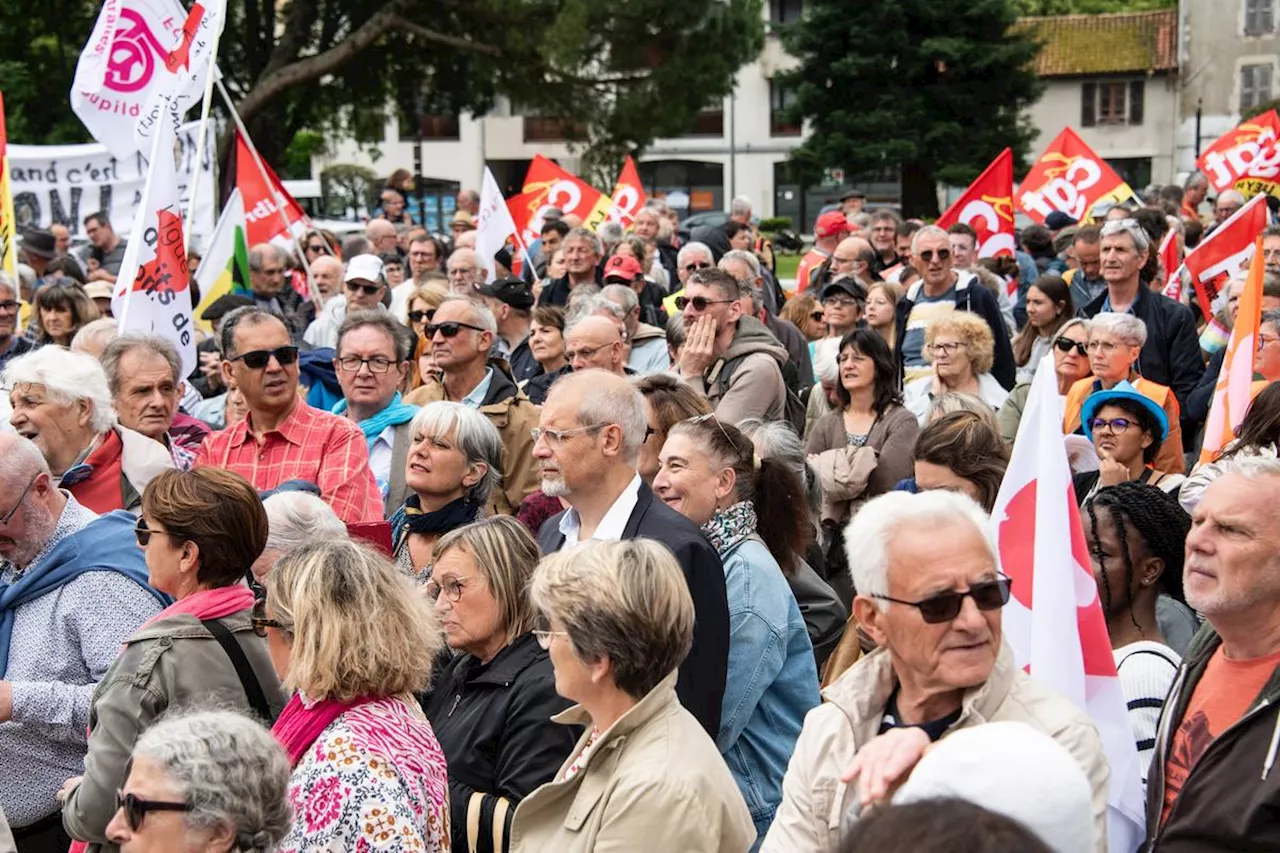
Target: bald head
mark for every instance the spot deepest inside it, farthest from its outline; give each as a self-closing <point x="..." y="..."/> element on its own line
<point x="381" y="235"/>
<point x="595" y="341"/>
<point x="327" y="272"/>
<point x="24" y="471"/>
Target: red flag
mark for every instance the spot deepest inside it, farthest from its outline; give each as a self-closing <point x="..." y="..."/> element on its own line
<point x="180" y="56"/>
<point x="263" y="200"/>
<point x="1233" y="391"/>
<point x="1171" y="263"/>
<point x="554" y="187"/>
<point x="1071" y="177"/>
<point x="987" y="207"/>
<point x="1247" y="158"/>
<point x="526" y="212"/>
<point x="628" y="195"/>
<point x="1225" y="251"/>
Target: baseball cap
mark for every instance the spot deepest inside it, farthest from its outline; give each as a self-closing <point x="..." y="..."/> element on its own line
<point x="831" y="224"/>
<point x="623" y="268"/>
<point x="845" y="284"/>
<point x="364" y="268"/>
<point x="1057" y="220"/>
<point x="512" y="291"/>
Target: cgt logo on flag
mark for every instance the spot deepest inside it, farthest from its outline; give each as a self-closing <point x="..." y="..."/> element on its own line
<point x="1070" y="177"/>
<point x="987" y="207"/>
<point x="1247" y="158"/>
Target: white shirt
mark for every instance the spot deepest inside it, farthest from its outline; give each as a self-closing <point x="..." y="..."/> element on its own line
<point x="612" y="525"/>
<point x="380" y="457"/>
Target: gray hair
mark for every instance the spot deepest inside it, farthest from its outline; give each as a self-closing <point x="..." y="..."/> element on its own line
<point x="861" y="220"/>
<point x="694" y="248"/>
<point x="257" y="256"/>
<point x="1126" y="327"/>
<point x="958" y="401"/>
<point x="748" y="258"/>
<point x="6" y="280"/>
<point x="1252" y="467"/>
<point x="675" y="330"/>
<point x="474" y="435"/>
<point x="825" y="366"/>
<point x="295" y="519"/>
<point x="589" y="236"/>
<point x="777" y="440"/>
<point x="231" y="771"/>
<point x="610" y="233"/>
<point x="618" y="403"/>
<point x="1196" y="178"/>
<point x="1271" y="318"/>
<point x="740" y="206"/>
<point x="24" y="459"/>
<point x="480" y="313"/>
<point x="622" y="297"/>
<point x="402" y="338"/>
<point x="596" y="305"/>
<point x="68" y="378"/>
<point x="926" y="231"/>
<point x="1234" y="196"/>
<point x="94" y="336"/>
<point x="249" y="315"/>
<point x="129" y="342"/>
<point x="875" y="527"/>
<point x="1141" y="242"/>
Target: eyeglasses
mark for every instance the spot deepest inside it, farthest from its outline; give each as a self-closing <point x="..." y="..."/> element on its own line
<point x="452" y="588"/>
<point x="9" y="305"/>
<point x="947" y="349"/>
<point x="586" y="352"/>
<point x="4" y="522"/>
<point x="259" y="358"/>
<point x="377" y="364"/>
<point x="259" y="621"/>
<point x="1114" y="425"/>
<point x="135" y="808"/>
<point x="845" y="357"/>
<point x="841" y="302"/>
<point x="697" y="265"/>
<point x="699" y="303"/>
<point x="1263" y="340"/>
<point x="1104" y="347"/>
<point x="988" y="595"/>
<point x="648" y="431"/>
<point x="318" y="248"/>
<point x="556" y="437"/>
<point x="542" y="632"/>
<point x="367" y="289"/>
<point x="450" y="328"/>
<point x="419" y="316"/>
<point x="817" y="316"/>
<point x="927" y="255"/>
<point x="1067" y="345"/>
<point x="144" y="533"/>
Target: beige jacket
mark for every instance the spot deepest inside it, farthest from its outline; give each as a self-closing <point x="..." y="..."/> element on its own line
<point x="654" y="781"/>
<point x="815" y="803"/>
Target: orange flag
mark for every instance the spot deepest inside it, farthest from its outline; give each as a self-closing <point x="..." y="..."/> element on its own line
<point x="1232" y="394"/>
<point x="987" y="207"/>
<point x="1247" y="158"/>
<point x="628" y="195"/>
<point x="553" y="186"/>
<point x="1071" y="177"/>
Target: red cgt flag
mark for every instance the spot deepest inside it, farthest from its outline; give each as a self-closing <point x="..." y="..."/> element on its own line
<point x="628" y="195"/>
<point x="1247" y="158"/>
<point x="1171" y="262"/>
<point x="987" y="207"/>
<point x="1071" y="177"/>
<point x="1225" y="251"/>
<point x="552" y="186"/>
<point x="263" y="199"/>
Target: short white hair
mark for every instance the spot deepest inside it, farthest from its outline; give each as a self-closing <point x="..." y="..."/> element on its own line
<point x="596" y="305"/>
<point x="94" y="336"/>
<point x="873" y="530"/>
<point x="742" y="255"/>
<point x="609" y="403"/>
<point x="1126" y="327"/>
<point x="480" y="313"/>
<point x="1252" y="467"/>
<point x="67" y="377"/>
<point x="6" y="280"/>
<point x="1141" y="242"/>
<point x="621" y="297"/>
<point x="298" y="518"/>
<point x="688" y="250"/>
<point x="927" y="231"/>
<point x="1233" y="196"/>
<point x="473" y="434"/>
<point x="740" y="206"/>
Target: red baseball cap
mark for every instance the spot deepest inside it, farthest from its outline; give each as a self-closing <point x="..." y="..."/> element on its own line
<point x="831" y="224"/>
<point x="624" y="267"/>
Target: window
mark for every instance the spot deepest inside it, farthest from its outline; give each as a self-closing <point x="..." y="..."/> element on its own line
<point x="708" y="122"/>
<point x="551" y="129"/>
<point x="432" y="127"/>
<point x="785" y="11"/>
<point x="780" y="100"/>
<point x="1255" y="86"/>
<point x="1112" y="102"/>
<point x="1259" y="17"/>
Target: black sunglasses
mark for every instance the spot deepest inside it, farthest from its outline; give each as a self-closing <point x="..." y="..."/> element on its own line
<point x="700" y="303"/>
<point x="927" y="255"/>
<point x="369" y="289"/>
<point x="419" y="316"/>
<point x="696" y="266"/>
<point x="450" y="328"/>
<point x="318" y="249"/>
<point x="988" y="595"/>
<point x="260" y="358"/>
<point x="135" y="808"/>
<point x="817" y="315"/>
<point x="144" y="533"/>
<point x="1067" y="345"/>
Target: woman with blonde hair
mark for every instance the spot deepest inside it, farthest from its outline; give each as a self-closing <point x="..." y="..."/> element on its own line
<point x="420" y="308"/>
<point x="961" y="347"/>
<point x="353" y="639"/>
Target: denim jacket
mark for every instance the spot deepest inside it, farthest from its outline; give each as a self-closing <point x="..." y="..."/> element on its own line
<point x="772" y="679"/>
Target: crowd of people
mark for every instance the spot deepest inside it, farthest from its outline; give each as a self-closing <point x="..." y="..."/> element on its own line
<point x="622" y="547"/>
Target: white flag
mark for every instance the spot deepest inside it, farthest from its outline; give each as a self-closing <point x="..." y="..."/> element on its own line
<point x="153" y="291"/>
<point x="493" y="224"/>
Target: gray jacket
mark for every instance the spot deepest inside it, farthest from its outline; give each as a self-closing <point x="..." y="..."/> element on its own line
<point x="397" y="490"/>
<point x="173" y="663"/>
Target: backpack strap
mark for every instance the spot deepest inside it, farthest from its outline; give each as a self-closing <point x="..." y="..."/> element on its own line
<point x="252" y="689"/>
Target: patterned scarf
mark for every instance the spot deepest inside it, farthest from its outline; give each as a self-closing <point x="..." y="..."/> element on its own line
<point x="448" y="517"/>
<point x="730" y="526"/>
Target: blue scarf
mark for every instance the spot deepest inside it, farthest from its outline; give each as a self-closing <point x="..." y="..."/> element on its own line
<point x="396" y="413"/>
<point x="107" y="544"/>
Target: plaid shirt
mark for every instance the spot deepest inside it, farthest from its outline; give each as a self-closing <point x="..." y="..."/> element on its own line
<point x="308" y="445"/>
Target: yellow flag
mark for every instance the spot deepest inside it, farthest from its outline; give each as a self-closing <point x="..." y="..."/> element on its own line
<point x="8" y="246"/>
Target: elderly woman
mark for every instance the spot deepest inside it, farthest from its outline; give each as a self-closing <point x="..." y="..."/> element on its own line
<point x="546" y="343"/>
<point x="667" y="402"/>
<point x="618" y="621"/>
<point x="454" y="463"/>
<point x="491" y="705"/>
<point x="60" y="311"/>
<point x="208" y="781"/>
<point x="1048" y="308"/>
<point x="201" y="531"/>
<point x="1115" y="346"/>
<point x="1127" y="429"/>
<point x="1071" y="364"/>
<point x="962" y="350"/>
<point x="294" y="518"/>
<point x="352" y="638"/>
<point x="711" y="475"/>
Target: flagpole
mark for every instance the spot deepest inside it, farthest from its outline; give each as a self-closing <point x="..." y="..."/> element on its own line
<point x="262" y="170"/>
<point x="204" y="126"/>
<point x="136" y="235"/>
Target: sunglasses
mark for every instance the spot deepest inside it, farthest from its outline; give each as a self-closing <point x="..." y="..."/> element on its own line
<point x="450" y="328"/>
<point x="697" y="266"/>
<point x="817" y="316"/>
<point x="927" y="255"/>
<point x="144" y="533"/>
<point x="259" y="358"/>
<point x="419" y="316"/>
<point x="9" y="305"/>
<point x="1067" y="345"/>
<point x="318" y="248"/>
<point x="699" y="303"/>
<point x="936" y="609"/>
<point x="135" y="808"/>
<point x="368" y="289"/>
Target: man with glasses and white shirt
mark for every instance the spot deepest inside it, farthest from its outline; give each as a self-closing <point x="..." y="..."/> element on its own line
<point x="362" y="289"/>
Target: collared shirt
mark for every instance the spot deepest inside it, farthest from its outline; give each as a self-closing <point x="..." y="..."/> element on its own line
<point x="476" y="397"/>
<point x="62" y="644"/>
<point x="380" y="450"/>
<point x="309" y="444"/>
<point x="611" y="525"/>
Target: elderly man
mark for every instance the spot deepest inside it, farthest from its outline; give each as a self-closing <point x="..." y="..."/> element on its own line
<point x="589" y="438"/>
<point x="595" y="342"/>
<point x="746" y="270"/>
<point x="940" y="291"/>
<point x="1271" y="249"/>
<point x="932" y="606"/>
<point x="282" y="438"/>
<point x="1171" y="355"/>
<point x="363" y="287"/>
<point x="144" y="374"/>
<point x="829" y="229"/>
<point x="1226" y="205"/>
<point x="469" y="200"/>
<point x="511" y="301"/>
<point x="648" y="344"/>
<point x="582" y="252"/>
<point x="465" y="272"/>
<point x="734" y="360"/>
<point x="73" y="588"/>
<point x="1210" y="791"/>
<point x="107" y="249"/>
<point x="381" y="235"/>
<point x="1193" y="195"/>
<point x="372" y="361"/>
<point x="61" y="401"/>
<point x="267" y="265"/>
<point x="693" y="256"/>
<point x="12" y="343"/>
<point x="646" y="226"/>
<point x="853" y="257"/>
<point x="462" y="334"/>
<point x="326" y="272"/>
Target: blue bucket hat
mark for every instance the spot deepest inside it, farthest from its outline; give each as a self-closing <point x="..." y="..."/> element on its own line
<point x="1123" y="391"/>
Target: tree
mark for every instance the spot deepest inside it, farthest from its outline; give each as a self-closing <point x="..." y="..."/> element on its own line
<point x="931" y="91"/>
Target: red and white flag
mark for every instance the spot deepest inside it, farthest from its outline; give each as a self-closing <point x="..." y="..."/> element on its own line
<point x="1071" y="177"/>
<point x="1054" y="621"/>
<point x="1233" y="392"/>
<point x="153" y="291"/>
<point x="628" y="195"/>
<point x="1246" y="157"/>
<point x="1170" y="253"/>
<point x="987" y="207"/>
<point x="264" y="199"/>
<point x="1226" y="251"/>
<point x="494" y="226"/>
<point x="552" y="186"/>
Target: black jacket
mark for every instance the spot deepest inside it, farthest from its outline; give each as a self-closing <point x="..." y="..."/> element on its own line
<point x="1200" y="399"/>
<point x="557" y="290"/>
<point x="523" y="364"/>
<point x="701" y="682"/>
<point x="537" y="388"/>
<point x="1171" y="355"/>
<point x="493" y="722"/>
<point x="971" y="296"/>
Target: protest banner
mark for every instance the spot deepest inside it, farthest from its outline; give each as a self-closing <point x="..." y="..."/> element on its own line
<point x="628" y="195"/>
<point x="554" y="187"/>
<point x="1071" y="177"/>
<point x="987" y="208"/>
<point x="1247" y="158"/>
<point x="8" y="245"/>
<point x="1225" y="252"/>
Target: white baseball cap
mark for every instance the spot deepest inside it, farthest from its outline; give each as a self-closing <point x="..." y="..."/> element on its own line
<point x="364" y="268"/>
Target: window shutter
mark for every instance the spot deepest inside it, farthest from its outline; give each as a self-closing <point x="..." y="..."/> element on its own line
<point x="1137" y="91"/>
<point x="1088" y="104"/>
<point x="1263" y="84"/>
<point x="1247" y="93"/>
<point x="1252" y="13"/>
<point x="1268" y="16"/>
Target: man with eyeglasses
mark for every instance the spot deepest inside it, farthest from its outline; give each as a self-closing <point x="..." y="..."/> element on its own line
<point x="932" y="605"/>
<point x="75" y="589"/>
<point x="424" y="260"/>
<point x="1226" y="206"/>
<point x="282" y="438"/>
<point x="1267" y="360"/>
<point x="595" y="342"/>
<point x="462" y="333"/>
<point x="693" y="256"/>
<point x="464" y="271"/>
<point x="268" y="268"/>
<point x="363" y="287"/>
<point x="12" y="344"/>
<point x="1271" y="249"/>
<point x="582" y="252"/>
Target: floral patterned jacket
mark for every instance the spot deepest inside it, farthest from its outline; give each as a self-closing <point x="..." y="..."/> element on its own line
<point x="375" y="779"/>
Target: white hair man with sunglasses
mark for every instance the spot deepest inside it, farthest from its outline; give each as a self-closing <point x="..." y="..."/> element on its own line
<point x="363" y="286"/>
<point x="282" y="438"/>
<point x="932" y="604"/>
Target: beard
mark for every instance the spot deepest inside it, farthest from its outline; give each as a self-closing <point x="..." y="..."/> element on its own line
<point x="555" y="487"/>
<point x="38" y="528"/>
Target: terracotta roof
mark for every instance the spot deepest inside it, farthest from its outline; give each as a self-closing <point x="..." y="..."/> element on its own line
<point x="1079" y="45"/>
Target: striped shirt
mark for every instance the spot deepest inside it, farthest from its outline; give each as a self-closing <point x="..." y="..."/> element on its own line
<point x="1147" y="671"/>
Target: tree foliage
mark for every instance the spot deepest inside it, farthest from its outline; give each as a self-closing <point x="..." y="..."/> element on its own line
<point x="930" y="90"/>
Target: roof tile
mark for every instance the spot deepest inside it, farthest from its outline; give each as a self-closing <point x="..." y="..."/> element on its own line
<point x="1125" y="42"/>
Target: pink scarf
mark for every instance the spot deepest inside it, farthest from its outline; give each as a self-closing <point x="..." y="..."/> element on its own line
<point x="298" y="725"/>
<point x="209" y="604"/>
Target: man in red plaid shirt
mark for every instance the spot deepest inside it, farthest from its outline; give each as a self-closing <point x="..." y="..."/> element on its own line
<point x="282" y="438"/>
